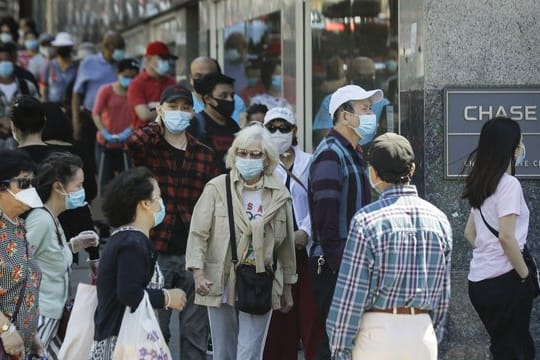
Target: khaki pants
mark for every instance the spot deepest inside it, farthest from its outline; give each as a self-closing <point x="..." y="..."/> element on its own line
<point x="389" y="337"/>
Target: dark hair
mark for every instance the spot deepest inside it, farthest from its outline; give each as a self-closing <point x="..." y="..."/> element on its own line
<point x="9" y="48"/>
<point x="10" y="22"/>
<point x="57" y="124"/>
<point x="257" y="108"/>
<point x="127" y="64"/>
<point x="58" y="166"/>
<point x="208" y="83"/>
<point x="31" y="31"/>
<point x="499" y="139"/>
<point x="124" y="193"/>
<point x="12" y="163"/>
<point x="30" y="23"/>
<point x="268" y="68"/>
<point x="27" y="114"/>
<point x="347" y="106"/>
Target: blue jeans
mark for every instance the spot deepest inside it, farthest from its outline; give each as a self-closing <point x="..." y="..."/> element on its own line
<point x="194" y="328"/>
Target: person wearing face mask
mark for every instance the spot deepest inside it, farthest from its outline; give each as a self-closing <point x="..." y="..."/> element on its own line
<point x="60" y="72"/>
<point x="132" y="205"/>
<point x="302" y="322"/>
<point x="338" y="188"/>
<point x="361" y="72"/>
<point x="272" y="91"/>
<point x="31" y="48"/>
<point x="114" y="120"/>
<point x="214" y="126"/>
<point x="94" y="72"/>
<point x="393" y="290"/>
<point x="44" y="54"/>
<point x="60" y="188"/>
<point x="236" y="50"/>
<point x="21" y="275"/>
<point x="262" y="221"/>
<point x="501" y="286"/>
<point x="183" y="166"/>
<point x="146" y="88"/>
<point x="11" y="86"/>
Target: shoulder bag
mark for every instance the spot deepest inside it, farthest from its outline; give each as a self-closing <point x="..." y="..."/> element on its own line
<point x="253" y="290"/>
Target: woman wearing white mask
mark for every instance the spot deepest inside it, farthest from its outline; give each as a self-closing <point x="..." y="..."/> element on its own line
<point x="20" y="275"/>
<point x="302" y="322"/>
<point x="60" y="187"/>
<point x="253" y="208"/>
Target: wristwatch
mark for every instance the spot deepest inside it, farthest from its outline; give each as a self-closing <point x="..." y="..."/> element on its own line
<point x="4" y="328"/>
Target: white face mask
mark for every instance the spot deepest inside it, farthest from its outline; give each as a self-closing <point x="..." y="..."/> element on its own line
<point x="283" y="142"/>
<point x="28" y="197"/>
<point x="373" y="185"/>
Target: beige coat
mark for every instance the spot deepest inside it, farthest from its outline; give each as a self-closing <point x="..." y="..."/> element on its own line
<point x="208" y="246"/>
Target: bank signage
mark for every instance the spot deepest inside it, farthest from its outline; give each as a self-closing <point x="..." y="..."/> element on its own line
<point x="467" y="109"/>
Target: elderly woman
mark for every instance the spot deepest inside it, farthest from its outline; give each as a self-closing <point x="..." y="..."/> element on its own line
<point x="264" y="238"/>
<point x="19" y="283"/>
<point x="60" y="187"/>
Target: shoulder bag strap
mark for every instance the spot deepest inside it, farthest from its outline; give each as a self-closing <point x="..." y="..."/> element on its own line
<point x="294" y="177"/>
<point x="23" y="287"/>
<point x="493" y="231"/>
<point x="56" y="226"/>
<point x="232" y="230"/>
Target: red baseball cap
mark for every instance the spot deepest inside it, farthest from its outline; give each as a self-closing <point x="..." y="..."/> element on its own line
<point x="160" y="49"/>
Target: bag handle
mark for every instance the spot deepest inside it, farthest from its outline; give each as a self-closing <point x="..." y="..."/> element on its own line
<point x="294" y="177"/>
<point x="232" y="231"/>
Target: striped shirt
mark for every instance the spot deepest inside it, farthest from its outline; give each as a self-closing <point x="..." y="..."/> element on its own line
<point x="397" y="255"/>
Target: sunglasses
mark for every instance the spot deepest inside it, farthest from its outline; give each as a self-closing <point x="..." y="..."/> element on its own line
<point x="22" y="183"/>
<point x="284" y="129"/>
<point x="249" y="154"/>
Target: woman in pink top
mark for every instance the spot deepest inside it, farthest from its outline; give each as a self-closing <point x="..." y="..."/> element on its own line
<point x="500" y="285"/>
<point x="114" y="120"/>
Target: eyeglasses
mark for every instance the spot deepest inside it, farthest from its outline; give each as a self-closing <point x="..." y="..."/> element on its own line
<point x="22" y="183"/>
<point x="243" y="153"/>
<point x="284" y="128"/>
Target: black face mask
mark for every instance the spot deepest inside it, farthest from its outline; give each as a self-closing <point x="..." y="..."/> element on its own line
<point x="64" y="51"/>
<point x="224" y="107"/>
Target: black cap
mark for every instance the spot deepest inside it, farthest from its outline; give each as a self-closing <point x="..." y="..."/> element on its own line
<point x="392" y="156"/>
<point x="175" y="92"/>
<point x="128" y="64"/>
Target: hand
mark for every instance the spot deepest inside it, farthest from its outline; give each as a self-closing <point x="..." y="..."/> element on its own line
<point x="300" y="239"/>
<point x="125" y="134"/>
<point x="177" y="299"/>
<point x="202" y="285"/>
<point x="108" y="136"/>
<point x="286" y="299"/>
<point x="37" y="347"/>
<point x="12" y="341"/>
<point x="84" y="240"/>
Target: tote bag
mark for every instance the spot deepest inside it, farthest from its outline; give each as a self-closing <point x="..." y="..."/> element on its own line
<point x="140" y="336"/>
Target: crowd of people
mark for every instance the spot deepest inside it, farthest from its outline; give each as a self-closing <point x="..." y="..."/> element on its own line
<point x="217" y="215"/>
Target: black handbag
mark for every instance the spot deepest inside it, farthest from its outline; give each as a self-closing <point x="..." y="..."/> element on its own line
<point x="527" y="257"/>
<point x="253" y="290"/>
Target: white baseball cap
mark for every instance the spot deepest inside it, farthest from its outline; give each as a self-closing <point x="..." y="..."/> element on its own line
<point x="280" y="113"/>
<point x="352" y="92"/>
<point x="63" y="39"/>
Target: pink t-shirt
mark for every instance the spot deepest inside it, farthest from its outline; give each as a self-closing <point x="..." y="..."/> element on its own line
<point x="489" y="260"/>
<point x="116" y="114"/>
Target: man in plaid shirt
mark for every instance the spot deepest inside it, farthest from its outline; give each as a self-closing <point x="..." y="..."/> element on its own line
<point x="182" y="166"/>
<point x="393" y="286"/>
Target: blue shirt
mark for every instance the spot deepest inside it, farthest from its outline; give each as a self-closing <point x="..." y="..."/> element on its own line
<point x="94" y="72"/>
<point x="239" y="107"/>
<point x="56" y="80"/>
<point x="397" y="255"/>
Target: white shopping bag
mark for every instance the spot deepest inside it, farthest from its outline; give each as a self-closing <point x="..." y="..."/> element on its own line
<point x="140" y="336"/>
<point x="80" y="328"/>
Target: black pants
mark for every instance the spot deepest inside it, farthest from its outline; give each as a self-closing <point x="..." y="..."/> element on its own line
<point x="504" y="305"/>
<point x="323" y="285"/>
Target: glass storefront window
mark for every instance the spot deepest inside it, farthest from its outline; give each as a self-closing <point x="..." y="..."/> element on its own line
<point x="354" y="42"/>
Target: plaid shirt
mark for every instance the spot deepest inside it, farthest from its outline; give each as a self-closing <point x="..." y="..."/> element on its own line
<point x="180" y="184"/>
<point x="397" y="255"/>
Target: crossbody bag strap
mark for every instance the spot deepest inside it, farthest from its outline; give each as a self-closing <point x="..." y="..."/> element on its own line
<point x="232" y="231"/>
<point x="294" y="177"/>
<point x="490" y="228"/>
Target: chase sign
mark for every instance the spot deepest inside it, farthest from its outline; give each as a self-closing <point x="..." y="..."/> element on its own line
<point x="467" y="109"/>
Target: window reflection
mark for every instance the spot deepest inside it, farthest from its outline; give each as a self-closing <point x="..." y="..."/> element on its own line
<point x="354" y="42"/>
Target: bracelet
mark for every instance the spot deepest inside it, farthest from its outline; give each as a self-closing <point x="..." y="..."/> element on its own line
<point x="167" y="299"/>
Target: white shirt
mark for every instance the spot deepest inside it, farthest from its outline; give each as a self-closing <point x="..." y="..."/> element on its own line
<point x="9" y="90"/>
<point x="489" y="260"/>
<point x="299" y="195"/>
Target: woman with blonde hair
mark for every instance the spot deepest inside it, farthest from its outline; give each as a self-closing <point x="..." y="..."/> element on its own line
<point x="241" y="247"/>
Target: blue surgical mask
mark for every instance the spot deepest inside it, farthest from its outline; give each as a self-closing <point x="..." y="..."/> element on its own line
<point x="124" y="81"/>
<point x="6" y="37"/>
<point x="176" y="121"/>
<point x="249" y="168"/>
<point x="31" y="44"/>
<point x="162" y="67"/>
<point x="160" y="215"/>
<point x="252" y="81"/>
<point x="276" y="81"/>
<point x="521" y="158"/>
<point x="6" y="69"/>
<point x="118" y="55"/>
<point x="76" y="199"/>
<point x="367" y="128"/>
